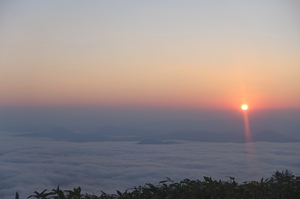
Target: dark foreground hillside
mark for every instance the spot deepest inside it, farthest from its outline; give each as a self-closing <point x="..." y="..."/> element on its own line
<point x="281" y="185"/>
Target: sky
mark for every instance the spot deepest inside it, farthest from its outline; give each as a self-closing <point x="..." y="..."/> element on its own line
<point x="150" y="54"/>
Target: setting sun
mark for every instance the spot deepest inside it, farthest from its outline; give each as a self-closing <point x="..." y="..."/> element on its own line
<point x="244" y="107"/>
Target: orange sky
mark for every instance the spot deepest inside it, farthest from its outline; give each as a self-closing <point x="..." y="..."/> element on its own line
<point x="173" y="57"/>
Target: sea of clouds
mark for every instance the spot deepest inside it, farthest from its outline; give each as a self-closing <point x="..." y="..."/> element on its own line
<point x="35" y="164"/>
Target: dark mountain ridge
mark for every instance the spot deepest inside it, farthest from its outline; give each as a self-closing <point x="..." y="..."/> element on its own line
<point x="111" y="133"/>
<point x="272" y="136"/>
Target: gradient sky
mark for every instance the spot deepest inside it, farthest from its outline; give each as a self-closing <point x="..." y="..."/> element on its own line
<point x="171" y="54"/>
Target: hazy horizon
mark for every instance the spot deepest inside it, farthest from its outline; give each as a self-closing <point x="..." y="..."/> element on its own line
<point x="285" y="122"/>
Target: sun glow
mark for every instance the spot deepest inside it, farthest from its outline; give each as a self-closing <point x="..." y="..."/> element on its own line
<point x="248" y="140"/>
<point x="244" y="107"/>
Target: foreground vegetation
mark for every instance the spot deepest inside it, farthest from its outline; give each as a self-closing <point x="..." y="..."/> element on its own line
<point x="281" y="185"/>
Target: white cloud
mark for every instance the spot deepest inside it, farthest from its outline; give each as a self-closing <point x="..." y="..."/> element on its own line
<point x="32" y="164"/>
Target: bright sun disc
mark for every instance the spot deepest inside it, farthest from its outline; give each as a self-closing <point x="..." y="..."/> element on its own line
<point x="244" y="107"/>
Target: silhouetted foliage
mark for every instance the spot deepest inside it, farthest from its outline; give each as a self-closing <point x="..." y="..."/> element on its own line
<point x="281" y="185"/>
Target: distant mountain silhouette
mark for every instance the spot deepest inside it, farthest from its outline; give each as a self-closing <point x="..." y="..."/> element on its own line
<point x="111" y="133"/>
<point x="202" y="136"/>
<point x="271" y="136"/>
<point x="59" y="133"/>
<point x="155" y="141"/>
<point x="234" y="125"/>
<point x="107" y="133"/>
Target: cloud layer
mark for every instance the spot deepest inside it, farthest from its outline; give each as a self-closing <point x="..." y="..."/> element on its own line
<point x="34" y="164"/>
